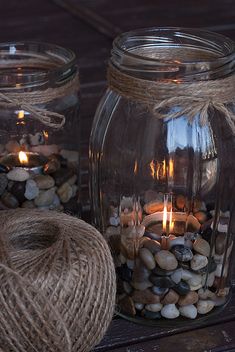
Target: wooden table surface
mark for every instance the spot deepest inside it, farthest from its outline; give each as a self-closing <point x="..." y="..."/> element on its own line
<point x="88" y="27"/>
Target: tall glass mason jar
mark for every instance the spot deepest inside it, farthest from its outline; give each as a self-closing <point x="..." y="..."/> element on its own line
<point x="162" y="172"/>
<point x="39" y="134"/>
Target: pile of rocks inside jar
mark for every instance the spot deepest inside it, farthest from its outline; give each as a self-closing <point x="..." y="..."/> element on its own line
<point x="53" y="186"/>
<point x="168" y="276"/>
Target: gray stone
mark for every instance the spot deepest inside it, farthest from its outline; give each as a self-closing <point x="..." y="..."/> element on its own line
<point x="31" y="190"/>
<point x="45" y="198"/>
<point x="182" y="288"/>
<point x="44" y="181"/>
<point x="9" y="200"/>
<point x="161" y="281"/>
<point x="182" y="253"/>
<point x="65" y="192"/>
<point x="18" y="174"/>
<point x="147" y="258"/>
<point x="177" y="275"/>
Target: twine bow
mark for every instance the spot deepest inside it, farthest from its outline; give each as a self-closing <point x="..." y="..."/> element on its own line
<point x="28" y="101"/>
<point x="191" y="99"/>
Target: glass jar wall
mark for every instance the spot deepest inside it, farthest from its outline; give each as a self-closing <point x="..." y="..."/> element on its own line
<point x="39" y="135"/>
<point x="162" y="180"/>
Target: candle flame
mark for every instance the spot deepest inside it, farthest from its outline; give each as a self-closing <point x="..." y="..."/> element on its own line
<point x="23" y="158"/>
<point x="46" y="134"/>
<point x="136" y="167"/>
<point x="171" y="223"/>
<point x="164" y="220"/>
<point x="20" y="114"/>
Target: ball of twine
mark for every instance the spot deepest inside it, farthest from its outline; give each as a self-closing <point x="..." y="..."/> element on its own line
<point x="57" y="278"/>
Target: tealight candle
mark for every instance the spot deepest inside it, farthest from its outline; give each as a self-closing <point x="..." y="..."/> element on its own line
<point x="32" y="162"/>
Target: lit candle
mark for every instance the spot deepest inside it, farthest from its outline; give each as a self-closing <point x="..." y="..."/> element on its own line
<point x="32" y="162"/>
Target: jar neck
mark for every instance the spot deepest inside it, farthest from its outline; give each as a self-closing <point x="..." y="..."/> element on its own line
<point x="174" y="54"/>
<point x="32" y="65"/>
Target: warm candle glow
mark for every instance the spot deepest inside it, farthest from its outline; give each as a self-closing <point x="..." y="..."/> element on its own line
<point x="164" y="220"/>
<point x="23" y="158"/>
<point x="171" y="168"/>
<point x="171" y="223"/>
<point x="45" y="134"/>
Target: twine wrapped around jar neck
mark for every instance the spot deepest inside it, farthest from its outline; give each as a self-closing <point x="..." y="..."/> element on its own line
<point x="193" y="98"/>
<point x="28" y="101"/>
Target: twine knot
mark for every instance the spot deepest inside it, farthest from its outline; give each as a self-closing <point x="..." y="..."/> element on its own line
<point x="29" y="101"/>
<point x="169" y="99"/>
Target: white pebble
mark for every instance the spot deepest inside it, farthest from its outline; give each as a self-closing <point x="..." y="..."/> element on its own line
<point x="139" y="306"/>
<point x="195" y="280"/>
<point x="114" y="221"/>
<point x="45" y="198"/>
<point x="177" y="276"/>
<point x="18" y="174"/>
<point x="154" y="307"/>
<point x="204" y="294"/>
<point x="31" y="190"/>
<point x="170" y="311"/>
<point x="186" y="275"/>
<point x="208" y="281"/>
<point x="198" y="262"/>
<point x="204" y="307"/>
<point x="189" y="311"/>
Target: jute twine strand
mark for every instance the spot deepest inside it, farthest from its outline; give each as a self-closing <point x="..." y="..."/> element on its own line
<point x="57" y="283"/>
<point x="191" y="99"/>
<point x="28" y="101"/>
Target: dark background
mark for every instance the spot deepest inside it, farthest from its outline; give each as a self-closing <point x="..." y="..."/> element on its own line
<point x="88" y="27"/>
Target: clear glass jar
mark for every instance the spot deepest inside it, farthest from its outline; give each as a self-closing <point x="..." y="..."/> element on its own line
<point x="163" y="185"/>
<point x="39" y="135"/>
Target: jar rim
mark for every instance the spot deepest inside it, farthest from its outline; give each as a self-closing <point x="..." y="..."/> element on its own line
<point x="145" y="50"/>
<point x="32" y="63"/>
<point x="120" y="41"/>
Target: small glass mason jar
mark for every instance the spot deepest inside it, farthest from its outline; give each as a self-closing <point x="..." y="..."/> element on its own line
<point x="162" y="172"/>
<point x="39" y="135"/>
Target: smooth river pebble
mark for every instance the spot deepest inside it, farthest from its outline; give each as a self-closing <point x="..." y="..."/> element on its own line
<point x="18" y="174"/>
<point x="170" y="311"/>
<point x="198" y="262"/>
<point x="166" y="260"/>
<point x="31" y="190"/>
<point x="189" y="311"/>
<point x="147" y="258"/>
